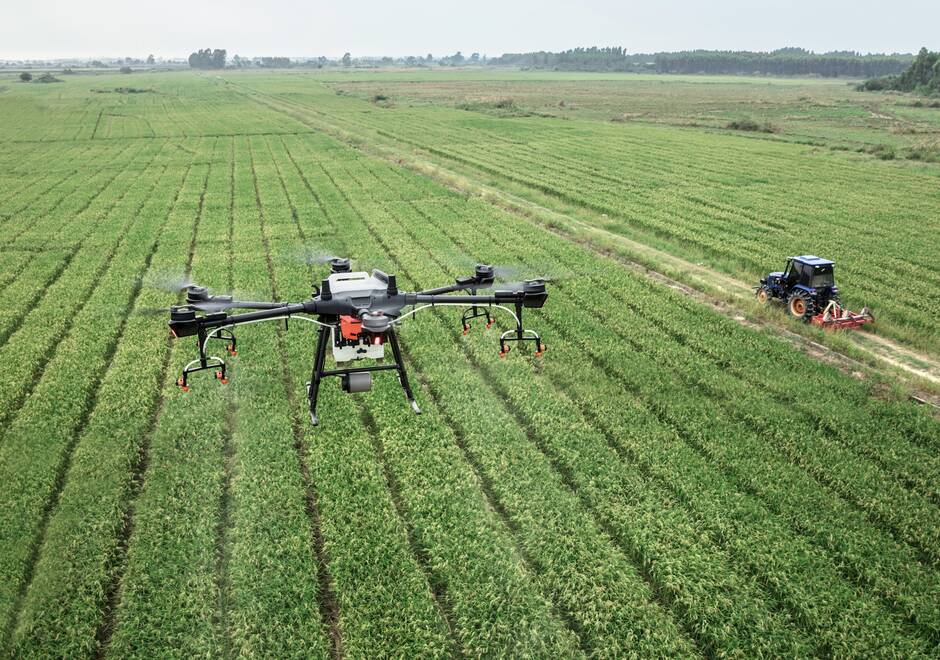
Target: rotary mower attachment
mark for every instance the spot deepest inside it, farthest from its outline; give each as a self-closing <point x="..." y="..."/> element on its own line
<point x="836" y="317"/>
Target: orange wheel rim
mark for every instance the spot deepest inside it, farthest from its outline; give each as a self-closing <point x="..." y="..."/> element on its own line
<point x="799" y="306"/>
<point x="762" y="296"/>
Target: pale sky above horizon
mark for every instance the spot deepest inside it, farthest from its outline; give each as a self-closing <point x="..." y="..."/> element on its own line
<point x="293" y="28"/>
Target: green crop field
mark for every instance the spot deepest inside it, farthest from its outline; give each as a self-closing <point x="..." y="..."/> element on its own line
<point x="667" y="480"/>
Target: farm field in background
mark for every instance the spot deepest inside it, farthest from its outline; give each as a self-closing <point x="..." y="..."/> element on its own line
<point x="821" y="112"/>
<point x="664" y="481"/>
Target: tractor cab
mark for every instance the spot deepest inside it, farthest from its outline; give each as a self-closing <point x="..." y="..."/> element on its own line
<point x="808" y="272"/>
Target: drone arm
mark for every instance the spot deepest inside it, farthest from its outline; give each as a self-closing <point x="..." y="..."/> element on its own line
<point x="482" y="278"/>
<point x="265" y="313"/>
<point x="444" y="289"/>
<point x="529" y="299"/>
<point x="249" y="304"/>
<point x="184" y="322"/>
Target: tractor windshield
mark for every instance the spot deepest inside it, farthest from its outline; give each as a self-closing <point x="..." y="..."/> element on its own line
<point x="822" y="277"/>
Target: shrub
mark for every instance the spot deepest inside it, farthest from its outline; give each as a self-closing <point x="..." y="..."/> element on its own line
<point x="26" y="76"/>
<point x="881" y="151"/>
<point x="877" y="84"/>
<point x="751" y="125"/>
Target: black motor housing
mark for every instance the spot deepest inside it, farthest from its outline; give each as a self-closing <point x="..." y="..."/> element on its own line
<point x="340" y="265"/>
<point x="183" y="321"/>
<point x="535" y="293"/>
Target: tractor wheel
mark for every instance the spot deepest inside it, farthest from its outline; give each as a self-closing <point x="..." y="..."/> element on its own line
<point x="801" y="306"/>
<point x="764" y="295"/>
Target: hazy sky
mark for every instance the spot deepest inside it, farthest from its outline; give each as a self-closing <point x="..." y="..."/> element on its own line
<point x="174" y="28"/>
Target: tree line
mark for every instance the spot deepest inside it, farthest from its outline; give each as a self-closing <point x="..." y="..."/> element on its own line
<point x="783" y="62"/>
<point x="922" y="76"/>
<point x="208" y="58"/>
<point x="216" y="59"/>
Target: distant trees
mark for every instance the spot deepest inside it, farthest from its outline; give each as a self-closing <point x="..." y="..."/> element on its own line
<point x="151" y="60"/>
<point x="208" y="59"/>
<point x="577" y="59"/>
<point x="26" y="76"/>
<point x="922" y="76"/>
<point x="347" y="59"/>
<point x="126" y="69"/>
<point x="784" y="62"/>
<point x="454" y="60"/>
<point x="274" y="62"/>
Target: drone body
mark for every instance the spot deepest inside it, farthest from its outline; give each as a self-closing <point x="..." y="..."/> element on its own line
<point x="356" y="313"/>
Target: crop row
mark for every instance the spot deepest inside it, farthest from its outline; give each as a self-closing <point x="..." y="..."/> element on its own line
<point x="31" y="336"/>
<point x="57" y="241"/>
<point x="856" y="536"/>
<point x="355" y="525"/>
<point x="40" y="438"/>
<point x="36" y="218"/>
<point x="686" y="574"/>
<point x="522" y="482"/>
<point x="79" y="562"/>
<point x="29" y="176"/>
<point x="271" y="532"/>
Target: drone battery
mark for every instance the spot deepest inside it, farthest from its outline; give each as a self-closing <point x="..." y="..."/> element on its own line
<point x="357" y="381"/>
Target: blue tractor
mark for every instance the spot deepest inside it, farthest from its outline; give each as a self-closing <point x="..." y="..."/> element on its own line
<point x="806" y="285"/>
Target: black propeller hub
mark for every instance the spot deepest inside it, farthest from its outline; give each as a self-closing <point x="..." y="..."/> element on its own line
<point x="196" y="293"/>
<point x="484" y="273"/>
<point x="535" y="293"/>
<point x="339" y="265"/>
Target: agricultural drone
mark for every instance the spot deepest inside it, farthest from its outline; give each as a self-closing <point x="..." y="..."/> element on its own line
<point x="357" y="313"/>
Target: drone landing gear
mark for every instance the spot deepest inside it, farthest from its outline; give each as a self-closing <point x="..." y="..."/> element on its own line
<point x="473" y="313"/>
<point x="520" y="335"/>
<point x="205" y="362"/>
<point x="354" y="379"/>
